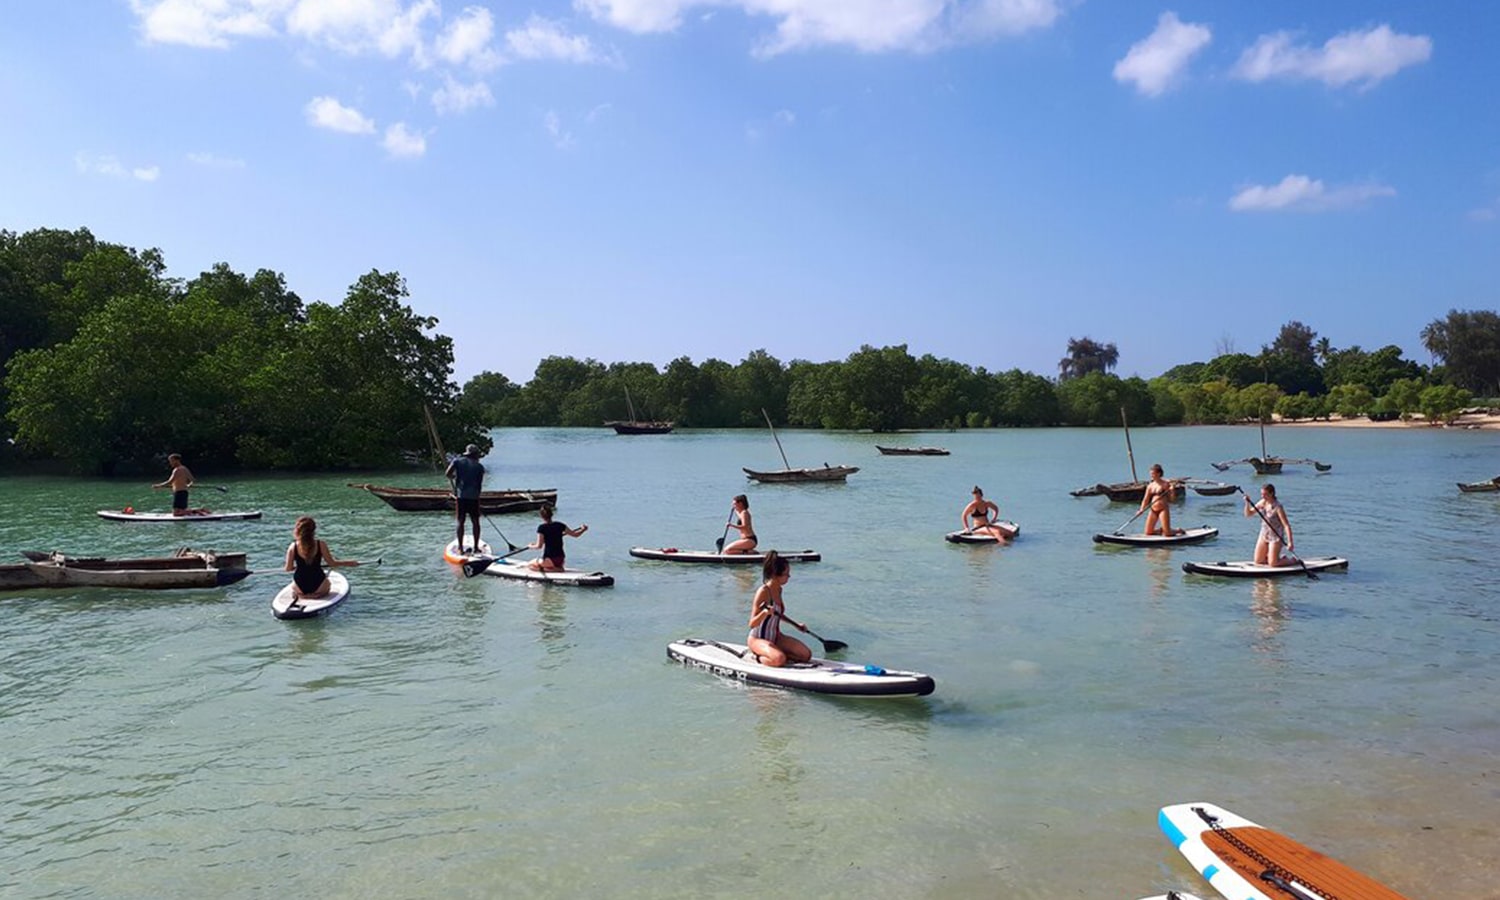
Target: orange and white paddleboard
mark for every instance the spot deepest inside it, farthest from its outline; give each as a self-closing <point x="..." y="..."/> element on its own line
<point x="459" y="555"/>
<point x="1244" y="861"/>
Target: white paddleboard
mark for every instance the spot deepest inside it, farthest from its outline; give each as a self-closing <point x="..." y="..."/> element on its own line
<point x="1188" y="536"/>
<point x="520" y="571"/>
<point x="822" y="676"/>
<point x="1010" y="529"/>
<point x="1244" y="568"/>
<point x="672" y="554"/>
<point x="457" y="556"/>
<point x="115" y="515"/>
<point x="283" y="606"/>
<point x="1248" y="862"/>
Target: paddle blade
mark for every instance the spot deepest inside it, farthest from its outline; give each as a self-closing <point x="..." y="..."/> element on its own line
<point x="833" y="646"/>
<point x="718" y="545"/>
<point x="474" y="567"/>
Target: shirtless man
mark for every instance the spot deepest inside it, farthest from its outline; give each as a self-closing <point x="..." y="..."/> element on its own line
<point x="179" y="481"/>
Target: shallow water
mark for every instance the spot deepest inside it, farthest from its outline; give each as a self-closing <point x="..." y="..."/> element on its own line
<point x="437" y="736"/>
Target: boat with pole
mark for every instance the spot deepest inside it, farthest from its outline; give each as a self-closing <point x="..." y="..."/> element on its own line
<point x="1131" y="491"/>
<point x="1266" y="464"/>
<point x="790" y="475"/>
<point x="639" y="426"/>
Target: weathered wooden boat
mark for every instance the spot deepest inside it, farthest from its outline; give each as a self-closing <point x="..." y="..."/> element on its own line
<point x="19" y="577"/>
<point x="435" y="499"/>
<point x="911" y="451"/>
<point x="1481" y="487"/>
<point x="639" y="426"/>
<point x="1265" y="464"/>
<point x="789" y="476"/>
<point x="1211" y="488"/>
<point x="191" y="570"/>
<point x="1130" y="491"/>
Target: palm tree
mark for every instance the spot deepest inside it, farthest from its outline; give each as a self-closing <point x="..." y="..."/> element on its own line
<point x="1087" y="355"/>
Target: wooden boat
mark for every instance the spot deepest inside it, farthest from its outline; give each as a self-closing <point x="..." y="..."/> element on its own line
<point x="639" y="426"/>
<point x="1211" y="488"/>
<point x="19" y="577"/>
<point x="911" y="451"/>
<point x="1129" y="491"/>
<point x="1266" y="464"/>
<point x="191" y="570"/>
<point x="1481" y="487"/>
<point x="434" y="499"/>
<point x="790" y="476"/>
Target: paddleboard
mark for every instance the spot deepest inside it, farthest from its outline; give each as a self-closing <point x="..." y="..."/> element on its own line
<point x="822" y="676"/>
<point x="1244" y="568"/>
<point x="453" y="554"/>
<point x="672" y="554"/>
<point x="283" y="606"/>
<point x="509" y="568"/>
<point x="1245" y="861"/>
<point x="115" y="515"/>
<point x="1188" y="536"/>
<point x="1010" y="529"/>
<point x="1173" y="895"/>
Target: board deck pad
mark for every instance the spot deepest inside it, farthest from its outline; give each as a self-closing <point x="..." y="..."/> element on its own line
<point x="1246" y="861"/>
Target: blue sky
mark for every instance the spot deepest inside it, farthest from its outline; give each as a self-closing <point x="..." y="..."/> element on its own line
<point x="644" y="179"/>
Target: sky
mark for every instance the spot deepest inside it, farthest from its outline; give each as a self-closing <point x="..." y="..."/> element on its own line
<point x="639" y="180"/>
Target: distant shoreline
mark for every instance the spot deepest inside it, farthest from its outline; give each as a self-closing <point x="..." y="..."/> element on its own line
<point x="1465" y="422"/>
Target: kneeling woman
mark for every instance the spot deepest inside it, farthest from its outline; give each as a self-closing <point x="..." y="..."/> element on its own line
<point x="305" y="559"/>
<point x="767" y="612"/>
<point x="549" y="540"/>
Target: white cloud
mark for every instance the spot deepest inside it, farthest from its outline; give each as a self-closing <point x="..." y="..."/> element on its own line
<point x="466" y="40"/>
<point x="403" y="143"/>
<point x="545" y="39"/>
<point x="871" y="26"/>
<point x="214" y="161"/>
<point x="205" y="23"/>
<point x="1364" y="57"/>
<point x="454" y="98"/>
<point x="326" y="112"/>
<point x="110" y="166"/>
<point x="1298" y="193"/>
<point x="1156" y="63"/>
<point x="562" y="139"/>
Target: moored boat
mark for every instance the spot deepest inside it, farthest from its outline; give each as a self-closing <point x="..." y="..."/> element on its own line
<point x="788" y="476"/>
<point x="636" y="426"/>
<point x="911" y="451"/>
<point x="202" y="570"/>
<point x="1481" y="487"/>
<point x="436" y="499"/>
<point x="1129" y="491"/>
<point x="19" y="577"/>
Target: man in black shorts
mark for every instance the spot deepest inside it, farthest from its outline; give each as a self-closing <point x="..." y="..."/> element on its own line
<point x="467" y="475"/>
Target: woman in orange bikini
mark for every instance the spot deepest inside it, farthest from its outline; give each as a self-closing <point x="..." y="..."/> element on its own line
<point x="1159" y="495"/>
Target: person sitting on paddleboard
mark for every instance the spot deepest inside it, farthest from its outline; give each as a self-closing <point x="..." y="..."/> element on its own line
<point x="767" y="612"/>
<point x="980" y="515"/>
<point x="1159" y="494"/>
<point x="305" y="559"/>
<point x="1274" y="526"/>
<point x="549" y="539"/>
<point x="467" y="475"/>
<point x="740" y="521"/>
<point x="179" y="481"/>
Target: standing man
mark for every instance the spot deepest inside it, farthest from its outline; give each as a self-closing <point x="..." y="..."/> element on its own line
<point x="467" y="475"/>
<point x="179" y="481"/>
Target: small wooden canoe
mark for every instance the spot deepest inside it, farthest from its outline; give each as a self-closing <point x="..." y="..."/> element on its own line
<point x="911" y="451"/>
<point x="1129" y="491"/>
<point x="201" y="571"/>
<point x="797" y="476"/>
<point x="642" y="427"/>
<point x="1481" y="487"/>
<point x="436" y="499"/>
<point x="19" y="577"/>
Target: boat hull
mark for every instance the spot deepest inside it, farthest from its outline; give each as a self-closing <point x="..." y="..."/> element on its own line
<point x="642" y="427"/>
<point x="438" y="499"/>
<point x="59" y="574"/>
<point x="911" y="451"/>
<point x="801" y="476"/>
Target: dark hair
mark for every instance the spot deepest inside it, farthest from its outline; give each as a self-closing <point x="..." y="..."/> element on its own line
<point x="1269" y="488"/>
<point x="742" y="500"/>
<point x="1156" y="467"/>
<point x="172" y="456"/>
<point x="977" y="491"/>
<point x="546" y="510"/>
<point x="773" y="566"/>
<point x="306" y="534"/>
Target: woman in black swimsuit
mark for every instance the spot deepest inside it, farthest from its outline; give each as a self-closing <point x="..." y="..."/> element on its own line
<point x="549" y="540"/>
<point x="305" y="559"/>
<point x="740" y="521"/>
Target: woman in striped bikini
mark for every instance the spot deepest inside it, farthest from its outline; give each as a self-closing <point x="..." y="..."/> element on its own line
<point x="767" y="612"/>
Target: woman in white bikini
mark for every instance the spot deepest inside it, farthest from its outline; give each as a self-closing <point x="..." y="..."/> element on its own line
<point x="1275" y="529"/>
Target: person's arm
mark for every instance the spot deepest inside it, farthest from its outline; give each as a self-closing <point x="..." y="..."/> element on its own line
<point x="1286" y="526"/>
<point x="289" y="566"/>
<point x="963" y="517"/>
<point x="577" y="532"/>
<point x="1249" y="508"/>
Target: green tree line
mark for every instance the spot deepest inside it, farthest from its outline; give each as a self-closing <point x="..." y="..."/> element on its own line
<point x="109" y="362"/>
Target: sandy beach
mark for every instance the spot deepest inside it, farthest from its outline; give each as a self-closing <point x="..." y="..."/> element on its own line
<point x="1472" y="421"/>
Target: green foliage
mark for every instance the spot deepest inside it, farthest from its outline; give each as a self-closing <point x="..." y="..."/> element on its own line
<point x="1255" y="401"/>
<point x="1403" y="398"/>
<point x="1086" y="355"/>
<point x="1443" y="402"/>
<point x="1301" y="406"/>
<point x="1097" y="399"/>
<point x="1468" y="343"/>
<point x="1296" y="342"/>
<point x="1350" y="400"/>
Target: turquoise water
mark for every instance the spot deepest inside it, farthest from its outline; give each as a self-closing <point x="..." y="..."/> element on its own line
<point x="438" y="736"/>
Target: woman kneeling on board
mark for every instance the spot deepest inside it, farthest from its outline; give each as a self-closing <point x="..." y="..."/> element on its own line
<point x="767" y="611"/>
<point x="305" y="559"/>
<point x="1275" y="530"/>
<point x="980" y="516"/>
<point x="740" y="521"/>
<point x="1159" y="494"/>
<point x="549" y="539"/>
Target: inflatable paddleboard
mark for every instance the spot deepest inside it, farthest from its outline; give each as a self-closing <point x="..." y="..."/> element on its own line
<point x="1009" y="529"/>
<point x="672" y="554"/>
<point x="1188" y="536"/>
<point x="121" y="516"/>
<point x="822" y="676"/>
<point x="1248" y="862"/>
<point x="509" y="568"/>
<point x="283" y="606"/>
<point x="458" y="557"/>
<point x="1244" y="568"/>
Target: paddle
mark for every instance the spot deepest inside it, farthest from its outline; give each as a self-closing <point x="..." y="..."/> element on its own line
<point x="513" y="547"/>
<point x="1129" y="520"/>
<point x="828" y="646"/>
<point x="474" y="567"/>
<point x="719" y="544"/>
<point x="1272" y="525"/>
<point x="213" y="487"/>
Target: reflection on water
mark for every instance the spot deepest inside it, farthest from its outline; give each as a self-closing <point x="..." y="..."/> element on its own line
<point x="1269" y="611"/>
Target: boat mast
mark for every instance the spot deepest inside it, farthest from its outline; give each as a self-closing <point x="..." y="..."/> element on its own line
<point x="774" y="437"/>
<point x="1129" y="451"/>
